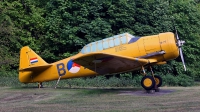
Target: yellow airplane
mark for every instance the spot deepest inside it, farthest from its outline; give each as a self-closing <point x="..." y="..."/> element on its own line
<point x="114" y="55"/>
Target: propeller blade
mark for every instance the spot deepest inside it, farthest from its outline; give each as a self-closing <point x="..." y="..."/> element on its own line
<point x="182" y="58"/>
<point x="177" y="35"/>
<point x="179" y="44"/>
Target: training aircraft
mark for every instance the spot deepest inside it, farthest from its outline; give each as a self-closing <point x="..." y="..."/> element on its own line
<point x="114" y="55"/>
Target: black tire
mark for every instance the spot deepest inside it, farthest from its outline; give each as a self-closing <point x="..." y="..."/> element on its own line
<point x="148" y="82"/>
<point x="158" y="80"/>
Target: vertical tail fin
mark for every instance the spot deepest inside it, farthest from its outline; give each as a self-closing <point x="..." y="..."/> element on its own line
<point x="30" y="65"/>
<point x="28" y="58"/>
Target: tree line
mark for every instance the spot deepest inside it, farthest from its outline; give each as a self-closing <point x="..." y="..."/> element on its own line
<point x="57" y="29"/>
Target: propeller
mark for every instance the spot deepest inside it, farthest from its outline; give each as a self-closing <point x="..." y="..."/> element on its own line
<point x="179" y="44"/>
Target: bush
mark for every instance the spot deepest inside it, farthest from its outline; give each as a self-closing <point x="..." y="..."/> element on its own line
<point x="169" y="80"/>
<point x="181" y="80"/>
<point x="9" y="82"/>
<point x="184" y="80"/>
<point x="11" y="73"/>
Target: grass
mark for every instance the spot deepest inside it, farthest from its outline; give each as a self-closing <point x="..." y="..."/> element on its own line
<point x="170" y="99"/>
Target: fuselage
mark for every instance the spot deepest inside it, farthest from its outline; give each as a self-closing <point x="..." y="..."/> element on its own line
<point x="161" y="47"/>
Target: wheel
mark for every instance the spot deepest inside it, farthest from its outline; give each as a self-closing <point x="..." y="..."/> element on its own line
<point x="148" y="82"/>
<point x="158" y="80"/>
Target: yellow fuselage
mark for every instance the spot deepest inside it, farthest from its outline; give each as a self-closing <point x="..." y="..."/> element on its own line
<point x="144" y="47"/>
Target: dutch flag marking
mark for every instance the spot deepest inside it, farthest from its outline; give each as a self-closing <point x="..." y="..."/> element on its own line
<point x="33" y="60"/>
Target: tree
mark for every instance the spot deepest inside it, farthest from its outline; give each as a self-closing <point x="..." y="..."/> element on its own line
<point x="73" y="24"/>
<point x="8" y="57"/>
<point x="186" y="17"/>
<point x="21" y="24"/>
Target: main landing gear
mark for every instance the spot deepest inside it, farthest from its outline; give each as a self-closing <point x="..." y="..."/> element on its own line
<point x="151" y="82"/>
<point x="41" y="86"/>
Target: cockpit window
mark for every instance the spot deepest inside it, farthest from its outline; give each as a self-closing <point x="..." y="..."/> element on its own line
<point x="116" y="40"/>
<point x="133" y="40"/>
<point x="87" y="49"/>
<point x="99" y="45"/>
<point x="123" y="39"/>
<point x="109" y="43"/>
<point x="93" y="47"/>
<point x="105" y="44"/>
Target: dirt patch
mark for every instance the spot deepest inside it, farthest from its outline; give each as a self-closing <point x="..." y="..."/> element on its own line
<point x="169" y="99"/>
<point x="22" y="97"/>
<point x="145" y="93"/>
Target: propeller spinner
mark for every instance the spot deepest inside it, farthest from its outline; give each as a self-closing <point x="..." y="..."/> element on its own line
<point x="179" y="44"/>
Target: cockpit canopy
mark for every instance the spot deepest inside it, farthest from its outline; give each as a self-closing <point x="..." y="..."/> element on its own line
<point x="107" y="43"/>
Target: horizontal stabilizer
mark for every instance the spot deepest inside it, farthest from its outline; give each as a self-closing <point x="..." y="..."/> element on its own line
<point x="36" y="68"/>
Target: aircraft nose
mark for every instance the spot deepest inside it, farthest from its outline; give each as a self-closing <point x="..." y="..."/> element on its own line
<point x="169" y="45"/>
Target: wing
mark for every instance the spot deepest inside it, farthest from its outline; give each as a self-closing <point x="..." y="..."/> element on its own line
<point x="103" y="63"/>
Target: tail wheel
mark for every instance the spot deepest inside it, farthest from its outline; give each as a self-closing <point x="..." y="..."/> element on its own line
<point x="158" y="80"/>
<point x="148" y="82"/>
<point x="40" y="85"/>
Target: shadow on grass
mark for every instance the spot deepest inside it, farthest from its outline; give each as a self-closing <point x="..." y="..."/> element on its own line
<point x="83" y="90"/>
<point x="93" y="91"/>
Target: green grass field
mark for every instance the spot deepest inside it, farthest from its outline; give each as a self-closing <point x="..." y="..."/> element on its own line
<point x="28" y="99"/>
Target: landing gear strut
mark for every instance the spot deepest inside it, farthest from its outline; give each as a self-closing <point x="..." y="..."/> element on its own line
<point x="57" y="82"/>
<point x="151" y="82"/>
<point x="40" y="85"/>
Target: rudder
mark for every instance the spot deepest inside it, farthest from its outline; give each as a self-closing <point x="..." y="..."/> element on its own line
<point x="28" y="58"/>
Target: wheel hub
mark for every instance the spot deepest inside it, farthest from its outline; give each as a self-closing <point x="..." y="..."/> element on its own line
<point x="147" y="82"/>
